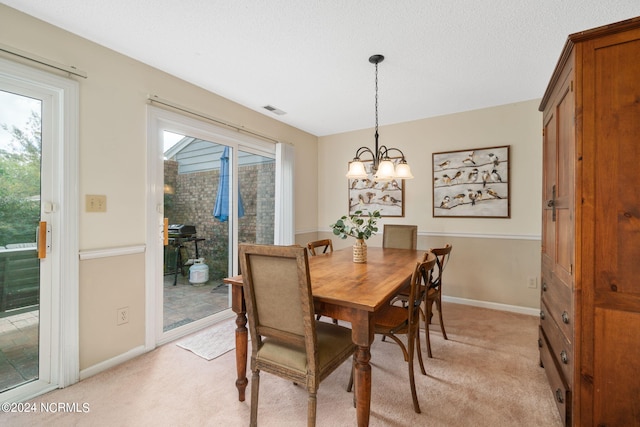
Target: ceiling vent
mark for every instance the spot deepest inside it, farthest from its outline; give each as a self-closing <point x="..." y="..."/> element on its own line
<point x="274" y="110"/>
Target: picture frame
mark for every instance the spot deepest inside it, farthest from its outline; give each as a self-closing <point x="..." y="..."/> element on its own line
<point x="367" y="194"/>
<point x="472" y="183"/>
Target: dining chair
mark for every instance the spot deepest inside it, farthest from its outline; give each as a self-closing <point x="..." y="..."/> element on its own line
<point x="395" y="320"/>
<point x="400" y="236"/>
<point x="434" y="292"/>
<point x="325" y="244"/>
<point x="327" y="247"/>
<point x="286" y="340"/>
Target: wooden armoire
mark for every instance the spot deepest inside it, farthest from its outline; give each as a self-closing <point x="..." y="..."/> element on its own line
<point x="590" y="294"/>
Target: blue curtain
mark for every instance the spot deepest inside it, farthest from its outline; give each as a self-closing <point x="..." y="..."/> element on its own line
<point x="221" y="209"/>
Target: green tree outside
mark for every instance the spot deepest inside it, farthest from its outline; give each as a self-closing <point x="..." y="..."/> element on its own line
<point x="20" y="183"/>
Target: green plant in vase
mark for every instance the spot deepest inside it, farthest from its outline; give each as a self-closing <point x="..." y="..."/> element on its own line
<point x="360" y="227"/>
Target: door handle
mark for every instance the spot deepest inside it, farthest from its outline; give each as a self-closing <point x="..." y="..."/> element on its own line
<point x="165" y="233"/>
<point x="43" y="239"/>
<point x="552" y="203"/>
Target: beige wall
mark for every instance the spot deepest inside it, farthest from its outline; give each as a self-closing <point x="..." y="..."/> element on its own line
<point x="113" y="146"/>
<point x="493" y="259"/>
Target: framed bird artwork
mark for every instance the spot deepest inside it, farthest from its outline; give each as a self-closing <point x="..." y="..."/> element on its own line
<point x="368" y="195"/>
<point x="472" y="183"/>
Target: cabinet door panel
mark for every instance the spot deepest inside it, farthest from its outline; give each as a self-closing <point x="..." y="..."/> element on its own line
<point x="617" y="199"/>
<point x="565" y="188"/>
<point x="616" y="382"/>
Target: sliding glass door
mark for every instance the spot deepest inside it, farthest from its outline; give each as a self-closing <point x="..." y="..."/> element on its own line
<point x="38" y="262"/>
<point x="216" y="192"/>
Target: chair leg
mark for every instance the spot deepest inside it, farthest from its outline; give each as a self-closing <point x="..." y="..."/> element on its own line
<point x="405" y="352"/>
<point x="353" y="367"/>
<point x="426" y="330"/>
<point x="311" y="411"/>
<point x="439" y="307"/>
<point x="255" y="386"/>
<point x="350" y="385"/>
<point x="418" y="350"/>
<point x="412" y="380"/>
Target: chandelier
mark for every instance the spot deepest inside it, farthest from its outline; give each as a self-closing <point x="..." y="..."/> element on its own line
<point x="383" y="167"/>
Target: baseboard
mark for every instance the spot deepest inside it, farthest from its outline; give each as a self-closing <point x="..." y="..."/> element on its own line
<point x="493" y="305"/>
<point x="103" y="366"/>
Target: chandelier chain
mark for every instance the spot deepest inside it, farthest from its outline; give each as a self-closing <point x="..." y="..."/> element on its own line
<point x="376" y="98"/>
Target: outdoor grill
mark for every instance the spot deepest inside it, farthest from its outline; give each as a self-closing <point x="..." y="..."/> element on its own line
<point x="182" y="230"/>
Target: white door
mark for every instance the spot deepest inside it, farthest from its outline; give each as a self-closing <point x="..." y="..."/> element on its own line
<point x="184" y="190"/>
<point x="34" y="134"/>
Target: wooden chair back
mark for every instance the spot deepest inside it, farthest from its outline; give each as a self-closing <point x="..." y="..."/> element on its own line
<point x="442" y="259"/>
<point x="326" y="245"/>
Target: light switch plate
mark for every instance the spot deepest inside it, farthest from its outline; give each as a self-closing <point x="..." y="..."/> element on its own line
<point x="96" y="203"/>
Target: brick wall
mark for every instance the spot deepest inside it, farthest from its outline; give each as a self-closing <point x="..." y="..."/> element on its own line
<point x="193" y="200"/>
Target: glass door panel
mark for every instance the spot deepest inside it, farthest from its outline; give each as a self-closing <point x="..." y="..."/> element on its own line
<point x="196" y="257"/>
<point x="20" y="160"/>
<point x="256" y="181"/>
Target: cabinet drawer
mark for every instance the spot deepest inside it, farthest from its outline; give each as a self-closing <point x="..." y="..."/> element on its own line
<point x="561" y="392"/>
<point x="557" y="297"/>
<point x="559" y="347"/>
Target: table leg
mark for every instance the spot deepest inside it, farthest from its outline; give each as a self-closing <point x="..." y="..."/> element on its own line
<point x="238" y="306"/>
<point x="362" y="327"/>
<point x="363" y="385"/>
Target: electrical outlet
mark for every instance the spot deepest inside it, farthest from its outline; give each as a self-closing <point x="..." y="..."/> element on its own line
<point x="533" y="283"/>
<point x="122" y="316"/>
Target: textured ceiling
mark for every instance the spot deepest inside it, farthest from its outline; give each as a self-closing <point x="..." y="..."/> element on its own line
<point x="310" y="58"/>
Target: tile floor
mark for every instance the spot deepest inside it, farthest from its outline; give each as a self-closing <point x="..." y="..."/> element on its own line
<point x="183" y="303"/>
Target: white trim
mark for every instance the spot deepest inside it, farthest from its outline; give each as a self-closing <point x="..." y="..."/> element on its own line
<point x="111" y="252"/>
<point x="482" y="236"/>
<point x="158" y="120"/>
<point x="449" y="234"/>
<point x="110" y="363"/>
<point x="493" y="305"/>
<point x="62" y="320"/>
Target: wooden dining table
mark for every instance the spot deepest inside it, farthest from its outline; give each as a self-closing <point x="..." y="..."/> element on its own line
<point x="344" y="290"/>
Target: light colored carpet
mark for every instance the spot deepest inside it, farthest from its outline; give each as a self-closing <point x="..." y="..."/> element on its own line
<point x="213" y="341"/>
<point x="486" y="374"/>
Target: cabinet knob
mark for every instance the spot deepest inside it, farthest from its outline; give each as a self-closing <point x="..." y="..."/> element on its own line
<point x="539" y="342"/>
<point x="544" y="286"/>
<point x="542" y="314"/>
<point x="564" y="357"/>
<point x="565" y="317"/>
<point x="559" y="396"/>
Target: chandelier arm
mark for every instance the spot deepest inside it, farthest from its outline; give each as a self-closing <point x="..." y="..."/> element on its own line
<point x="363" y="150"/>
<point x="393" y="149"/>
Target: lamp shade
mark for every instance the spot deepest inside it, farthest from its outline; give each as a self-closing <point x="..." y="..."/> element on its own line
<point x="403" y="171"/>
<point x="356" y="170"/>
<point x="386" y="171"/>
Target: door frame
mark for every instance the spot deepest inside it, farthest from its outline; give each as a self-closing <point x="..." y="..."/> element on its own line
<point x="158" y="120"/>
<point x="60" y="121"/>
